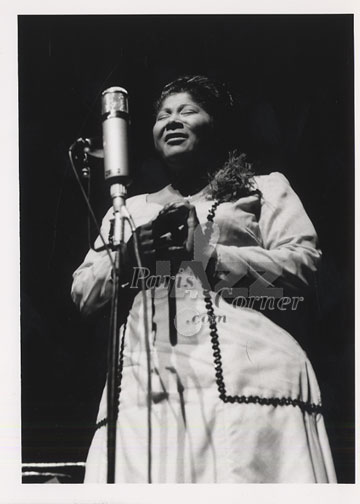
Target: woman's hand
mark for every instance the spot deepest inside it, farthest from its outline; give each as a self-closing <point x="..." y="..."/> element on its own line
<point x="175" y="235"/>
<point x="146" y="245"/>
<point x="170" y="230"/>
<point x="162" y="239"/>
<point x="182" y="235"/>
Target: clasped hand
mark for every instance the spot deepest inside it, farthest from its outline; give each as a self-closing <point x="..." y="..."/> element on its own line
<point x="168" y="237"/>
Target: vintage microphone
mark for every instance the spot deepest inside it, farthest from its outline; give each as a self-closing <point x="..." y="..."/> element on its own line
<point x="114" y="150"/>
<point x="115" y="118"/>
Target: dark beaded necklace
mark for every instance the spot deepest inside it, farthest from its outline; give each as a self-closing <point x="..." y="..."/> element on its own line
<point x="219" y="374"/>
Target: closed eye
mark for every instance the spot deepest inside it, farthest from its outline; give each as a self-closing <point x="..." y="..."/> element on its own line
<point x="186" y="111"/>
<point x="161" y="116"/>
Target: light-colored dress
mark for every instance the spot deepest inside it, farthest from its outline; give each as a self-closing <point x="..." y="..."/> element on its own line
<point x="196" y="436"/>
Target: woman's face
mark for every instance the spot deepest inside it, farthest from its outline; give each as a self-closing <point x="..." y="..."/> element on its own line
<point x="182" y="130"/>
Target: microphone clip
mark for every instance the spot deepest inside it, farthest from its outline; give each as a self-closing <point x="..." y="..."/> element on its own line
<point x="79" y="151"/>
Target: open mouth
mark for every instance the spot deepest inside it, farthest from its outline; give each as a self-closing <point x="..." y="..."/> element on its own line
<point x="175" y="137"/>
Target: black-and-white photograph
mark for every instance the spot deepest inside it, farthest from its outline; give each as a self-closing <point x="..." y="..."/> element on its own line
<point x="187" y="248"/>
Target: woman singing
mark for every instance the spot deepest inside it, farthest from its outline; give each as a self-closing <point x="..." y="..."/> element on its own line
<point x="234" y="398"/>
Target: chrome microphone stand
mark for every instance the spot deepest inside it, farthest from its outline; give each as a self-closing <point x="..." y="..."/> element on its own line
<point x="121" y="215"/>
<point x="115" y="117"/>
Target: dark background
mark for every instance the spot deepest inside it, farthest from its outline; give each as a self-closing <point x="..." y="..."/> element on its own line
<point x="293" y="75"/>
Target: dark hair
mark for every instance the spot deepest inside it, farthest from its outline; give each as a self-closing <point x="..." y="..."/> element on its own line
<point x="234" y="176"/>
<point x="211" y="94"/>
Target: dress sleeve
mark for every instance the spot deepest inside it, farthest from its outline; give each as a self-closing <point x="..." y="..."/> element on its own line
<point x="288" y="255"/>
<point x="92" y="281"/>
<point x="92" y="284"/>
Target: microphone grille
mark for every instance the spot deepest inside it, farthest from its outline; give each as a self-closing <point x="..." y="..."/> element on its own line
<point x="114" y="101"/>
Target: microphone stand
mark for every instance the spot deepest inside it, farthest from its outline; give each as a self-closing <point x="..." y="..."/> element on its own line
<point x="115" y="114"/>
<point x="121" y="214"/>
